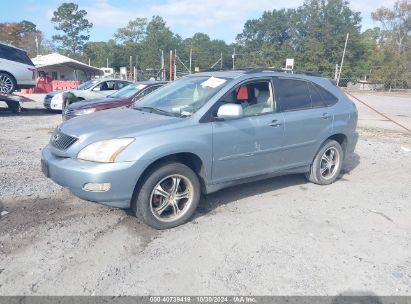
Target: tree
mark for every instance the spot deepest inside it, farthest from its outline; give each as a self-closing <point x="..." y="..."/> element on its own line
<point x="73" y="23"/>
<point x="393" y="43"/>
<point x="313" y="34"/>
<point x="22" y="34"/>
<point x="135" y="31"/>
<point x="396" y="22"/>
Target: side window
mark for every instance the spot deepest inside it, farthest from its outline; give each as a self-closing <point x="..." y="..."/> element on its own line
<point x="293" y="94"/>
<point x="149" y="90"/>
<point x="121" y="84"/>
<point x="316" y="99"/>
<point x="255" y="97"/>
<point x="13" y="54"/>
<point x="328" y="98"/>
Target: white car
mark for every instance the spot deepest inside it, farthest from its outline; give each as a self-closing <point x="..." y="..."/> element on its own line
<point x="17" y="71"/>
<point x="92" y="89"/>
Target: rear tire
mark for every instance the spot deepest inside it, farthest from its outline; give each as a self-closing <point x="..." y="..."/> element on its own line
<point x="7" y="83"/>
<point x="327" y="164"/>
<point x="168" y="196"/>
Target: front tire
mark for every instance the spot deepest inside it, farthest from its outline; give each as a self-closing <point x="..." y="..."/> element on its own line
<point x="7" y="83"/>
<point x="327" y="164"/>
<point x="168" y="196"/>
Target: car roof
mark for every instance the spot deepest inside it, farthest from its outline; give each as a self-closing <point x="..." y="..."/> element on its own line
<point x="271" y="71"/>
<point x="12" y="46"/>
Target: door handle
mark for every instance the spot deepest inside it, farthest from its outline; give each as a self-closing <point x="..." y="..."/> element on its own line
<point x="275" y="123"/>
<point x="325" y="116"/>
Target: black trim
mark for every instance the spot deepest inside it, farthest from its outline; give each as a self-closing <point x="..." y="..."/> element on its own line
<point x="25" y="86"/>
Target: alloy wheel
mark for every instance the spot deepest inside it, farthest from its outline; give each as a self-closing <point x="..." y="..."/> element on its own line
<point x="171" y="198"/>
<point x="329" y="163"/>
<point x="6" y="84"/>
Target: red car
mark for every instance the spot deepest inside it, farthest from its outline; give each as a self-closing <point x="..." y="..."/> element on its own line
<point x="125" y="97"/>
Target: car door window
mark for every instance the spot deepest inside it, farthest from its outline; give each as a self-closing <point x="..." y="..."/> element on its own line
<point x="255" y="97"/>
<point x="293" y="94"/>
<point x="149" y="90"/>
<point x="328" y="98"/>
<point x="121" y="84"/>
<point x="316" y="99"/>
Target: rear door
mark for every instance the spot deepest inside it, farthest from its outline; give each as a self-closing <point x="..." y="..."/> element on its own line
<point x="307" y="120"/>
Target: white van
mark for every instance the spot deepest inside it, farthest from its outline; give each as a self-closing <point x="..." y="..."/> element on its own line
<point x="17" y="71"/>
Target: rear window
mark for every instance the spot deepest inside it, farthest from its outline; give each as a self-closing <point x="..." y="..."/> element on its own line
<point x="293" y="94"/>
<point x="13" y="54"/>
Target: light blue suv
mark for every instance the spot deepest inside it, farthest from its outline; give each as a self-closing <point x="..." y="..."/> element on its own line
<point x="202" y="133"/>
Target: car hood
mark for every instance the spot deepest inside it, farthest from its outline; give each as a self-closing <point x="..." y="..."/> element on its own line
<point x="115" y="123"/>
<point x="54" y="93"/>
<point x="93" y="103"/>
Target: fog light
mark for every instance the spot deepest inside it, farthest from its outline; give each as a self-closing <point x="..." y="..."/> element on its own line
<point x="97" y="187"/>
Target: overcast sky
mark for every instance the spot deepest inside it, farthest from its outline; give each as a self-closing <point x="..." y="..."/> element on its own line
<point x="221" y="19"/>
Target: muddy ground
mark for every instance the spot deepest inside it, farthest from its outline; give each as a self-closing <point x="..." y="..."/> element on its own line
<point x="281" y="236"/>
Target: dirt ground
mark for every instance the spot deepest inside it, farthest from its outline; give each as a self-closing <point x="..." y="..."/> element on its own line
<point x="281" y="236"/>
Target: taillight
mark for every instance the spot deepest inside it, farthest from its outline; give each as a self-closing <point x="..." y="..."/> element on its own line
<point x="34" y="73"/>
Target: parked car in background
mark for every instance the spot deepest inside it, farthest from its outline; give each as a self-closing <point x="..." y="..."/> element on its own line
<point x="92" y="89"/>
<point x="125" y="97"/>
<point x="17" y="71"/>
<point x="202" y="133"/>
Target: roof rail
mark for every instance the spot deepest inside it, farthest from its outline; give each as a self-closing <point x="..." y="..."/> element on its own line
<point x="259" y="70"/>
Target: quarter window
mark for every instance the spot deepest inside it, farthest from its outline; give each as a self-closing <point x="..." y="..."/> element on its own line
<point x="328" y="98"/>
<point x="293" y="94"/>
<point x="316" y="99"/>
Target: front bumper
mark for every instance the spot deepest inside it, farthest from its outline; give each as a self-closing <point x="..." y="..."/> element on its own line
<point x="74" y="174"/>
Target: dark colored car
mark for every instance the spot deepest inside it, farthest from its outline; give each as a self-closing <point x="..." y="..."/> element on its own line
<point x="125" y="97"/>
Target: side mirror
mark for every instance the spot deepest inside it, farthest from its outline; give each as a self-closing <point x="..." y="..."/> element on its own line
<point x="97" y="88"/>
<point x="230" y="111"/>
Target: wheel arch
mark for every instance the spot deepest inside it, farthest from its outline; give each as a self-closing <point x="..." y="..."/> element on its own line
<point x="191" y="160"/>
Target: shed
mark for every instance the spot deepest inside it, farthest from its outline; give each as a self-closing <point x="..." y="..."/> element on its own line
<point x="59" y="67"/>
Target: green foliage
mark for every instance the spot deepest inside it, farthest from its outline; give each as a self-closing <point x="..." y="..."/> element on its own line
<point x="135" y="31"/>
<point x="73" y="23"/>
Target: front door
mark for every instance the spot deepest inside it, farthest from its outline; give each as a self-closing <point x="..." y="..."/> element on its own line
<point x="250" y="145"/>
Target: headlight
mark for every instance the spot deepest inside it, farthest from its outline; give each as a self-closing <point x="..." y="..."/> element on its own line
<point x="84" y="111"/>
<point x="104" y="151"/>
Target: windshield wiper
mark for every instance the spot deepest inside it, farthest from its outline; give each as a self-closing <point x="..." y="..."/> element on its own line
<point x="155" y="110"/>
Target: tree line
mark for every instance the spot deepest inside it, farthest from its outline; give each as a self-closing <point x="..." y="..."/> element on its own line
<point x="313" y="34"/>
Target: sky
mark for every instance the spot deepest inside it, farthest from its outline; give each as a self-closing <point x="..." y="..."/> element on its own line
<point x="220" y="19"/>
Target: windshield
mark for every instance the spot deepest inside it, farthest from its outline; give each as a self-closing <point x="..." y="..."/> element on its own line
<point x="87" y="85"/>
<point x="182" y="97"/>
<point x="128" y="91"/>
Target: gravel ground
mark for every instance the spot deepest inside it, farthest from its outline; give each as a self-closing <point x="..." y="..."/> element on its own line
<point x="281" y="236"/>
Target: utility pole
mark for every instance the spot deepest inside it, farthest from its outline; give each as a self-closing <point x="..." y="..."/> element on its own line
<point x="175" y="66"/>
<point x="136" y="68"/>
<point x="37" y="44"/>
<point x="131" y="67"/>
<point x="171" y="65"/>
<point x="233" y="56"/>
<point x="336" y="72"/>
<point x="163" y="75"/>
<point x="191" y="55"/>
<point x="107" y="63"/>
<point x="342" y="60"/>
<point x="89" y="61"/>
<point x="221" y="61"/>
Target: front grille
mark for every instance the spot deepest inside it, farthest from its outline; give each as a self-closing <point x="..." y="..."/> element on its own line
<point x="62" y="141"/>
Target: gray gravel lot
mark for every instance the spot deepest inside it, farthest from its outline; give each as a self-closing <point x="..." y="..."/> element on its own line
<point x="281" y="236"/>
